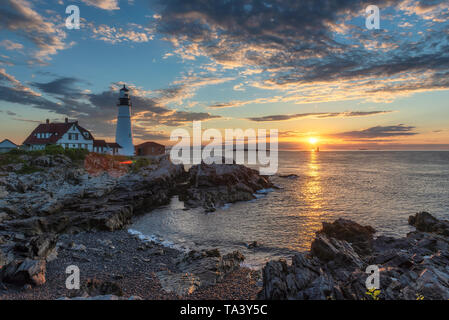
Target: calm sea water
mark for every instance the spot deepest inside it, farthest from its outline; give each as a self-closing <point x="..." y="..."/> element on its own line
<point x="380" y="189"/>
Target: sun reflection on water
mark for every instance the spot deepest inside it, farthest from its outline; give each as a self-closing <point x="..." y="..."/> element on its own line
<point x="311" y="192"/>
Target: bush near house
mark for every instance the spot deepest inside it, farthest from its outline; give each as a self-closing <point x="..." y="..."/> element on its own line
<point x="139" y="164"/>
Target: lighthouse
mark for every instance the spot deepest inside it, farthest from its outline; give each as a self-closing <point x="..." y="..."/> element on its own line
<point x="124" y="134"/>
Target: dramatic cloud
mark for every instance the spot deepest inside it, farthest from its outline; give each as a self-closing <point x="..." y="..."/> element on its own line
<point x="18" y="16"/>
<point x="318" y="115"/>
<point x="302" y="47"/>
<point x="98" y="110"/>
<point x="61" y="86"/>
<point x="377" y="132"/>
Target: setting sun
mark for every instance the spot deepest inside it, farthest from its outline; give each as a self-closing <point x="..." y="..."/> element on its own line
<point x="313" y="140"/>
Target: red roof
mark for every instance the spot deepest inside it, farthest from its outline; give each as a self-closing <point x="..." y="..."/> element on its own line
<point x="149" y="143"/>
<point x="104" y="144"/>
<point x="57" y="130"/>
<point x="114" y="145"/>
<point x="100" y="143"/>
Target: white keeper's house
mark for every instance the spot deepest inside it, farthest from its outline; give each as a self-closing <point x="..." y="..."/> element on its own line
<point x="71" y="135"/>
<point x="68" y="134"/>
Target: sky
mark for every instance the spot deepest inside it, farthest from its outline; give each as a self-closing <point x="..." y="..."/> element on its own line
<point x="311" y="69"/>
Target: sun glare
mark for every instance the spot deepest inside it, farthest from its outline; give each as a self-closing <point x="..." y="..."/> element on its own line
<point x="313" y="140"/>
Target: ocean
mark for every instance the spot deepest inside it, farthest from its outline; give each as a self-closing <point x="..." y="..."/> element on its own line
<point x="376" y="188"/>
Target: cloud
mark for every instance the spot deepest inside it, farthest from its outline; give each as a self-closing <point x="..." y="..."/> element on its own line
<point x="18" y="16"/>
<point x="10" y="45"/>
<point x="103" y="4"/>
<point x="304" y="47"/>
<point x="15" y="85"/>
<point x="134" y="33"/>
<point x="98" y="111"/>
<point x="60" y="86"/>
<point x="318" y="115"/>
<point x="377" y="132"/>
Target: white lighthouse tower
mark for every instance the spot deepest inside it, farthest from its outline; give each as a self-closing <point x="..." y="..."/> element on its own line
<point x="124" y="134"/>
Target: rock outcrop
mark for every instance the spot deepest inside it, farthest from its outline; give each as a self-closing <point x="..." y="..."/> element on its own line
<point x="414" y="267"/>
<point x="212" y="186"/>
<point x="199" y="269"/>
<point x="61" y="196"/>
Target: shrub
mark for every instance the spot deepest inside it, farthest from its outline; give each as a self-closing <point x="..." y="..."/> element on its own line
<point x="54" y="150"/>
<point x="140" y="163"/>
<point x="76" y="154"/>
<point x="27" y="169"/>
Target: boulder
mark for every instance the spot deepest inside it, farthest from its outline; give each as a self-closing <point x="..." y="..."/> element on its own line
<point x="212" y="186"/>
<point x="25" y="272"/>
<point x="360" y="237"/>
<point x="425" y="222"/>
<point x="412" y="267"/>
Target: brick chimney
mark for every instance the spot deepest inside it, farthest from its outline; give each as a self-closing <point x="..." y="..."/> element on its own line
<point x="48" y="121"/>
<point x="66" y="120"/>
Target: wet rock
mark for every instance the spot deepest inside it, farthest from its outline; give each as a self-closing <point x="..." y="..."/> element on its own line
<point x="199" y="268"/>
<point x="253" y="245"/>
<point x="331" y="249"/>
<point x="360" y="237"/>
<point x="425" y="222"/>
<point x="411" y="267"/>
<point x="95" y="287"/>
<point x="25" y="272"/>
<point x="212" y="186"/>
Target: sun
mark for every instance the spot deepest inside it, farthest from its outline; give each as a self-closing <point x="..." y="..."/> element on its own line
<point x="313" y="140"/>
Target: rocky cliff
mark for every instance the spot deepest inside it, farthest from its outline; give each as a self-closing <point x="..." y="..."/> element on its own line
<point x="414" y="267"/>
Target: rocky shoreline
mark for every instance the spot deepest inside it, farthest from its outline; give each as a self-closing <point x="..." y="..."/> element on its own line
<point x="64" y="213"/>
<point x="64" y="199"/>
<point x="415" y="267"/>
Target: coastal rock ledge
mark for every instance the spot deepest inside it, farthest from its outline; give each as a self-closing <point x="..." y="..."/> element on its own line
<point x="413" y="267"/>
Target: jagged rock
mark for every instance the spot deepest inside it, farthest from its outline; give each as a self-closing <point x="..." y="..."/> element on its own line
<point x="212" y="186"/>
<point x="95" y="287"/>
<point x="198" y="269"/>
<point x="331" y="249"/>
<point x="411" y="267"/>
<point x="425" y="222"/>
<point x="25" y="272"/>
<point x="359" y="236"/>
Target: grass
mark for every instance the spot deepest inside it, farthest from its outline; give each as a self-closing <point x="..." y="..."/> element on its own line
<point x="16" y="157"/>
<point x="139" y="164"/>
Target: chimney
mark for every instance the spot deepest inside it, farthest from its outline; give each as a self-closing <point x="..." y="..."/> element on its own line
<point x="48" y="121"/>
<point x="66" y="120"/>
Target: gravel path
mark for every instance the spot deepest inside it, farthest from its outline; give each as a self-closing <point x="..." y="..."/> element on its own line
<point x="120" y="258"/>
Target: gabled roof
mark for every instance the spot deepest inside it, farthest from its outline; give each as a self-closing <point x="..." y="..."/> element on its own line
<point x="100" y="143"/>
<point x="57" y="130"/>
<point x="8" y="141"/>
<point x="104" y="144"/>
<point x="114" y="145"/>
<point x="149" y="143"/>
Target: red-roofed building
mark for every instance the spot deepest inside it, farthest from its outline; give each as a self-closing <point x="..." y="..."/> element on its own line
<point x="68" y="134"/>
<point x="150" y="149"/>
<point x="101" y="146"/>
